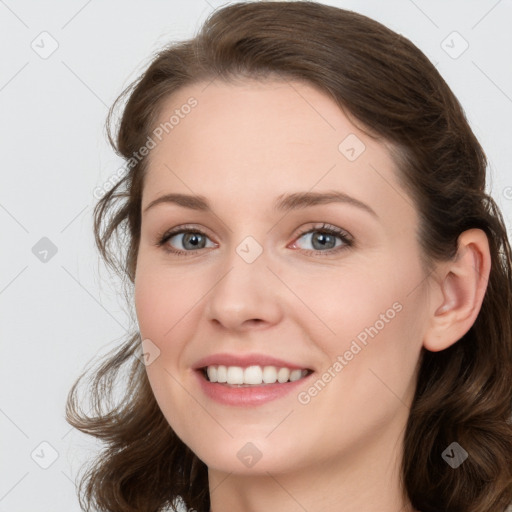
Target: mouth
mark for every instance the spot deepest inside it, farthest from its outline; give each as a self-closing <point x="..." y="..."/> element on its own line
<point x="252" y="376"/>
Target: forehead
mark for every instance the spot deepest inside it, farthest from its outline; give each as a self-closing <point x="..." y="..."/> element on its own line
<point x="254" y="140"/>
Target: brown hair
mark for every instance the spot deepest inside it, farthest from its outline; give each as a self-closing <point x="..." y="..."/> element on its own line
<point x="378" y="77"/>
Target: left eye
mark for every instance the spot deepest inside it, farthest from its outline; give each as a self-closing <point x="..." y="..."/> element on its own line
<point x="323" y="239"/>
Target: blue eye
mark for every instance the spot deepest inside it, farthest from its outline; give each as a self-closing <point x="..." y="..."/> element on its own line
<point x="323" y="239"/>
<point x="191" y="240"/>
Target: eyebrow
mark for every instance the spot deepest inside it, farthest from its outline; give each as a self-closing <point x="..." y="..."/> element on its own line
<point x="284" y="202"/>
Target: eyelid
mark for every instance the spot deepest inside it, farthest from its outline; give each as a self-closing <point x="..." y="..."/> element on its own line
<point x="326" y="227"/>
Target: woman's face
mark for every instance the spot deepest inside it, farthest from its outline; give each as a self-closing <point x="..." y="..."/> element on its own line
<point x="256" y="275"/>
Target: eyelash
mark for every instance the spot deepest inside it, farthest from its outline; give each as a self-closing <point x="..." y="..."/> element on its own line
<point x="324" y="228"/>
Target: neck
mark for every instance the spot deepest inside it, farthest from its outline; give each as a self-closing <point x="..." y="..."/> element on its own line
<point x="366" y="478"/>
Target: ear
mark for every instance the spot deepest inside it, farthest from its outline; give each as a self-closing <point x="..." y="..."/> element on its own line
<point x="461" y="284"/>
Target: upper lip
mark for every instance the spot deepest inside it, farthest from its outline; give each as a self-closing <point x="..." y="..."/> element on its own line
<point x="245" y="360"/>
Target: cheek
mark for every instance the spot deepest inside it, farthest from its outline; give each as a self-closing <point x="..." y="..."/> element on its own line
<point x="378" y="341"/>
<point x="148" y="304"/>
<point x="169" y="303"/>
<point x="343" y="302"/>
<point x="373" y="312"/>
<point x="161" y="292"/>
<point x="164" y="308"/>
<point x="159" y="304"/>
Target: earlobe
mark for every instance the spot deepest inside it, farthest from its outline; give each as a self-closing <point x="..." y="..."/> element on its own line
<point x="462" y="284"/>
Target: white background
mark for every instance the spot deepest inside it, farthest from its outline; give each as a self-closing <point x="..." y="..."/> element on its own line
<point x="57" y="315"/>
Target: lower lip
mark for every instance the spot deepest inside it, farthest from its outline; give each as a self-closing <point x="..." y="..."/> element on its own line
<point x="247" y="396"/>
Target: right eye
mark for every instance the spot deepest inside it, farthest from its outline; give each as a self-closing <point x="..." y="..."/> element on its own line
<point x="191" y="240"/>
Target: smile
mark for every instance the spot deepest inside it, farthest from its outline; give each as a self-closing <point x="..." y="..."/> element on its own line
<point x="254" y="375"/>
<point x="250" y="386"/>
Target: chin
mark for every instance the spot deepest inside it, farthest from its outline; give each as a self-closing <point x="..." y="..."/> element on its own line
<point x="249" y="456"/>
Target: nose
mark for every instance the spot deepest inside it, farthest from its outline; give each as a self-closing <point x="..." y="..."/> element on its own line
<point x="246" y="296"/>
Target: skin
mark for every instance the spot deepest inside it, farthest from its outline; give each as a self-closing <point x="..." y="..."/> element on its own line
<point x="241" y="147"/>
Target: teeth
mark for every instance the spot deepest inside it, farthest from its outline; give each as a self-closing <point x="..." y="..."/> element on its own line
<point x="283" y="374"/>
<point x="253" y="375"/>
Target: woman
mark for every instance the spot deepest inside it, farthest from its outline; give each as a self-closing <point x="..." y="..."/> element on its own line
<point x="322" y="285"/>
